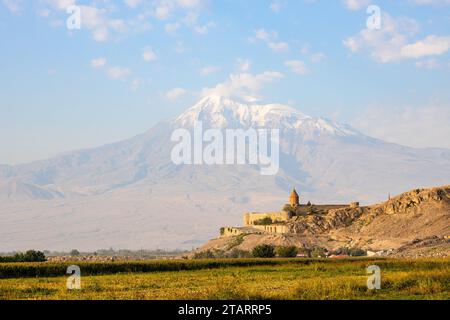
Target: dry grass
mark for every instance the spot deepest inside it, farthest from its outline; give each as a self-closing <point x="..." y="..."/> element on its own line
<point x="401" y="279"/>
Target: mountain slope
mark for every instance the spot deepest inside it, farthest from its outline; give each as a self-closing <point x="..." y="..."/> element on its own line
<point x="413" y="221"/>
<point x="129" y="194"/>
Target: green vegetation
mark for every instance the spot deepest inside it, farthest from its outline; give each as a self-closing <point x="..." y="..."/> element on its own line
<point x="353" y="252"/>
<point x="287" y="252"/>
<point x="264" y="221"/>
<point x="264" y="251"/>
<point x="220" y="254"/>
<point x="318" y="252"/>
<point x="238" y="240"/>
<point x="29" y="256"/>
<point x="232" y="279"/>
<point x="74" y="253"/>
<point x="302" y="210"/>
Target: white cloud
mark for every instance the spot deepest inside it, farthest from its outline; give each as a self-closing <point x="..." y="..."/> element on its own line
<point x="427" y="64"/>
<point x="115" y="72"/>
<point x="98" y="19"/>
<point x="431" y="2"/>
<point x="135" y="84"/>
<point x="118" y="72"/>
<point x="416" y="127"/>
<point x="204" y="29"/>
<point x="270" y="38"/>
<point x="277" y="6"/>
<point x="61" y="4"/>
<point x="133" y="3"/>
<point x="164" y="9"/>
<point x="98" y="63"/>
<point x="297" y="66"/>
<point x="356" y="4"/>
<point x="430" y="46"/>
<point x="45" y="13"/>
<point x="243" y="65"/>
<point x="102" y="17"/>
<point x="262" y="34"/>
<point x="13" y="5"/>
<point x="172" y="27"/>
<point x="149" y="55"/>
<point x="243" y="86"/>
<point x="279" y="46"/>
<point x="175" y="93"/>
<point x="394" y="42"/>
<point x="317" y="57"/>
<point x="206" y="71"/>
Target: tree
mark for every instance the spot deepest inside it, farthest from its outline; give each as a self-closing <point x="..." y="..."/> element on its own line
<point x="34" y="256"/>
<point x="287" y="252"/>
<point x="264" y="251"/>
<point x="208" y="254"/>
<point x="357" y="252"/>
<point x="74" y="253"/>
<point x="318" y="252"/>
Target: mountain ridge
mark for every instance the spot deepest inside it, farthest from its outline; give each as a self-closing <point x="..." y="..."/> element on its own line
<point x="139" y="196"/>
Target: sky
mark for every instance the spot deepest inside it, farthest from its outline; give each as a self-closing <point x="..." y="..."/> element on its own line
<point x="133" y="63"/>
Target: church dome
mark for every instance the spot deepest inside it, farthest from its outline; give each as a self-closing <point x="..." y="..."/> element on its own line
<point x="294" y="199"/>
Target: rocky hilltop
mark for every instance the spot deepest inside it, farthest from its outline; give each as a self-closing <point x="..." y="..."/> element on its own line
<point x="413" y="224"/>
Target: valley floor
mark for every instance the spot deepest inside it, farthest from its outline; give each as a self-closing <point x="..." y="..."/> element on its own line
<point x="268" y="279"/>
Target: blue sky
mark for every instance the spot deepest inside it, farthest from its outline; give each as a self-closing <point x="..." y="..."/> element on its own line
<point x="134" y="63"/>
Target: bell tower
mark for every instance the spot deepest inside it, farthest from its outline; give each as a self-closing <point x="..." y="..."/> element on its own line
<point x="294" y="199"/>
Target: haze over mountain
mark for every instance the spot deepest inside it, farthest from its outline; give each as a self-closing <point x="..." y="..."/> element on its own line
<point x="131" y="195"/>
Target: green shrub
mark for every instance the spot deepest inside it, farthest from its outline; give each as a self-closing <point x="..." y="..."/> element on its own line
<point x="208" y="254"/>
<point x="236" y="253"/>
<point x="354" y="252"/>
<point x="357" y="252"/>
<point x="318" y="252"/>
<point x="264" y="251"/>
<point x="264" y="221"/>
<point x="287" y="252"/>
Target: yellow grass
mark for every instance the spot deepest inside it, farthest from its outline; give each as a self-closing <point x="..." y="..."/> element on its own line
<point x="401" y="279"/>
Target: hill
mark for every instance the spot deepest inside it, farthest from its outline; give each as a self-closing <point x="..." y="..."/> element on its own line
<point x="413" y="224"/>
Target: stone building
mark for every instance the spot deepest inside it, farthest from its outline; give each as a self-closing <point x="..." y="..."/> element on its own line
<point x="276" y="222"/>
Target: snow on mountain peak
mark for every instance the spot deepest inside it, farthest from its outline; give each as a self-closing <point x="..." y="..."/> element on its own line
<point x="219" y="112"/>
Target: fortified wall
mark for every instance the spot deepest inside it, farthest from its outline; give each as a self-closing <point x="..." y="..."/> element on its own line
<point x="276" y="222"/>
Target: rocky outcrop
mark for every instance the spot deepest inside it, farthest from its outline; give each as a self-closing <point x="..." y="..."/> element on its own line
<point x="393" y="226"/>
<point x="316" y="224"/>
<point x="413" y="200"/>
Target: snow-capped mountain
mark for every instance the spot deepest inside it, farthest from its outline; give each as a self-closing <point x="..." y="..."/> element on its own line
<point x="131" y="195"/>
<point x="219" y="112"/>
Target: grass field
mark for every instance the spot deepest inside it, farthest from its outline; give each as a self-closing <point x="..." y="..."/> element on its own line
<point x="230" y="279"/>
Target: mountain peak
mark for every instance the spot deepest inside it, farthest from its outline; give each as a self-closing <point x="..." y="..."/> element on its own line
<point x="216" y="111"/>
<point x="220" y="112"/>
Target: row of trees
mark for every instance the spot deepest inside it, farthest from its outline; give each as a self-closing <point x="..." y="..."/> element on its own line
<point x="29" y="256"/>
<point x="269" y="251"/>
